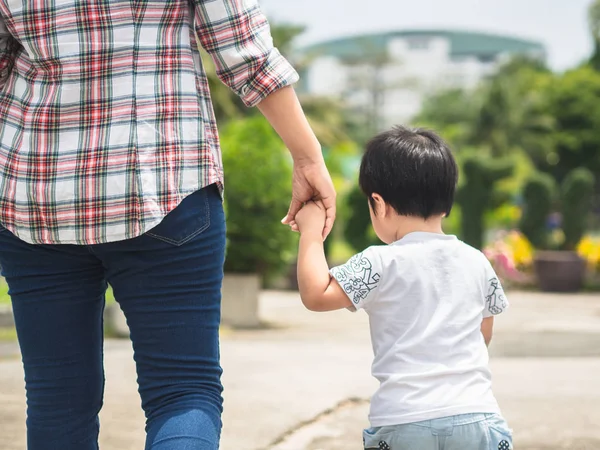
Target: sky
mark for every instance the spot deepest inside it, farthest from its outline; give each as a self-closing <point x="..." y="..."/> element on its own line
<point x="561" y="25"/>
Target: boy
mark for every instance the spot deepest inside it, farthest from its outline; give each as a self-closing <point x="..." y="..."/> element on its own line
<point x="430" y="300"/>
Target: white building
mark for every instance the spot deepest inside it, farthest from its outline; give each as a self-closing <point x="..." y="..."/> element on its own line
<point x="393" y="72"/>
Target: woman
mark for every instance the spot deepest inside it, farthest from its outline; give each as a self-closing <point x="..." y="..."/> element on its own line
<point x="110" y="172"/>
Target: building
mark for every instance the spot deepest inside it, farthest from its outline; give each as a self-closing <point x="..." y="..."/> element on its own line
<point x="390" y="74"/>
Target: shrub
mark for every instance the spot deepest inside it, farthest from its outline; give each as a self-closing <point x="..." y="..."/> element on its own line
<point x="537" y="194"/>
<point x="478" y="194"/>
<point x="258" y="173"/>
<point x="577" y="194"/>
<point x="575" y="203"/>
<point x="358" y="231"/>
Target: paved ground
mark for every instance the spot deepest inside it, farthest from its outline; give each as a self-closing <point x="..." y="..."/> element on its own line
<point x="304" y="383"/>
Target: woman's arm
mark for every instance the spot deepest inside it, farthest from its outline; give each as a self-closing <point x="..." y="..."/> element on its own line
<point x="311" y="180"/>
<point x="237" y="36"/>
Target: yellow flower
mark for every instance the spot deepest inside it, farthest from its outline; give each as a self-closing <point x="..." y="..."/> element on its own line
<point x="521" y="249"/>
<point x="589" y="249"/>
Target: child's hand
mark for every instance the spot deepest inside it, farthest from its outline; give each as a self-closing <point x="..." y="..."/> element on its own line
<point x="310" y="219"/>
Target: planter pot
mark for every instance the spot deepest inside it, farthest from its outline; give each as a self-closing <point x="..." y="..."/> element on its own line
<point x="6" y="317"/>
<point x="239" y="303"/>
<point x="559" y="271"/>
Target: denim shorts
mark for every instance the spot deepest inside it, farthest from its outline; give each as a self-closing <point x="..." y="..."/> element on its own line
<point x="462" y="432"/>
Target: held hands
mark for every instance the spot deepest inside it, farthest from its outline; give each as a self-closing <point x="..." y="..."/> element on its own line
<point x="312" y="183"/>
<point x="311" y="219"/>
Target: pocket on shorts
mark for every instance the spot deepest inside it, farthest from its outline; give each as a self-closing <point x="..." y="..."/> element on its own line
<point x="377" y="438"/>
<point x="499" y="432"/>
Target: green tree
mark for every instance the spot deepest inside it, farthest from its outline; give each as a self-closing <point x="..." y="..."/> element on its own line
<point x="573" y="102"/>
<point x="513" y="113"/>
<point x="594" y="24"/>
<point x="508" y="112"/>
<point x="453" y="114"/>
<point x="258" y="191"/>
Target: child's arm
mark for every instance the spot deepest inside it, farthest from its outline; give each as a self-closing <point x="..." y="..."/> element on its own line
<point x="487" y="327"/>
<point x="495" y="301"/>
<point x="318" y="290"/>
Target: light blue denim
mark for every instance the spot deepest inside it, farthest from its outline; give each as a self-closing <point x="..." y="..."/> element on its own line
<point x="462" y="432"/>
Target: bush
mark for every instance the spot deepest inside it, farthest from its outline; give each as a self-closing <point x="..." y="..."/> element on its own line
<point x="577" y="194"/>
<point x="478" y="194"/>
<point x="538" y="195"/>
<point x="358" y="231"/>
<point x="258" y="173"/>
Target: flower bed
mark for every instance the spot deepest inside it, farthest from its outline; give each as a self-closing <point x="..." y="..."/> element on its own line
<point x="512" y="255"/>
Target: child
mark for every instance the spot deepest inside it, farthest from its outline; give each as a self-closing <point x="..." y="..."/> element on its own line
<point x="430" y="300"/>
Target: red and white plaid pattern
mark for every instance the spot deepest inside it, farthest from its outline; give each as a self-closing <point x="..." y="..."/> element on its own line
<point x="106" y="118"/>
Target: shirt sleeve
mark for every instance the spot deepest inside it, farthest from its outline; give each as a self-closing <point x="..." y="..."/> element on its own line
<point x="495" y="298"/>
<point x="360" y="277"/>
<point x="237" y="36"/>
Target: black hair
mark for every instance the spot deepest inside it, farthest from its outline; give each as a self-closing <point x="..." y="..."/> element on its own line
<point x="413" y="170"/>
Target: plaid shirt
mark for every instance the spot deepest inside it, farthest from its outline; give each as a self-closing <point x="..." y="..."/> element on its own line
<point x="106" y="118"/>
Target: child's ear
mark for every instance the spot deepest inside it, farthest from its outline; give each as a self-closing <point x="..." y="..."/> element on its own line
<point x="378" y="205"/>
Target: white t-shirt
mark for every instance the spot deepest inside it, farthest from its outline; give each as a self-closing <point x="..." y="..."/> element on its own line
<point x="426" y="296"/>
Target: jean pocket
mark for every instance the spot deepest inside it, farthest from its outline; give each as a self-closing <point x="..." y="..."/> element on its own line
<point x="500" y="434"/>
<point x="377" y="438"/>
<point x="190" y="218"/>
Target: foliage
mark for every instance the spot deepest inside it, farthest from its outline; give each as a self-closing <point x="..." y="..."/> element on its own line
<point x="478" y="194"/>
<point x="451" y="113"/>
<point x="505" y="113"/>
<point x="358" y="231"/>
<point x="4" y="297"/>
<point x="513" y="112"/>
<point x="577" y="192"/>
<point x="575" y="201"/>
<point x="594" y="23"/>
<point x="258" y="190"/>
<point x="572" y="101"/>
<point x="538" y="198"/>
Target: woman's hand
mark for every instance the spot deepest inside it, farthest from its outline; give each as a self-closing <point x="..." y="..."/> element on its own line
<point x="311" y="181"/>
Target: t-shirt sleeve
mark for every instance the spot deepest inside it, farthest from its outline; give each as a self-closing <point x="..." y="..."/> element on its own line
<point x="360" y="277"/>
<point x="495" y="298"/>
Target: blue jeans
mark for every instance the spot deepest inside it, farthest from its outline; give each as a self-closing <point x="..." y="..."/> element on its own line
<point x="168" y="284"/>
<point x="462" y="432"/>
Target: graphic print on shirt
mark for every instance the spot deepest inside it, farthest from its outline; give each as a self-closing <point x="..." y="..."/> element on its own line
<point x="357" y="277"/>
<point x="495" y="298"/>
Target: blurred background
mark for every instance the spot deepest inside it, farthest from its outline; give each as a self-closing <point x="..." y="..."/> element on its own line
<point x="514" y="87"/>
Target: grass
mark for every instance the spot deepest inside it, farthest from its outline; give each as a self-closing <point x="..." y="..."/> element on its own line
<point x="8" y="334"/>
<point x="4" y="297"/>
